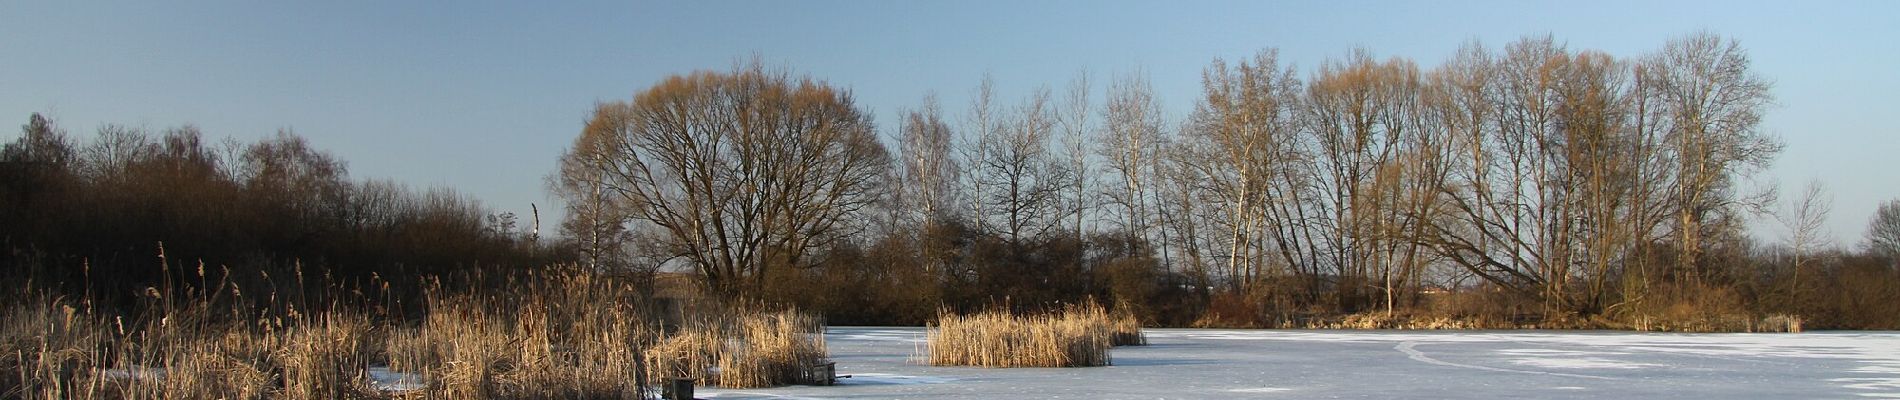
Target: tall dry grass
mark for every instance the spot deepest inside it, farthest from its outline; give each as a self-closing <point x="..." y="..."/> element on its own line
<point x="744" y="349"/>
<point x="562" y="333"/>
<point x="1124" y="327"/>
<point x="565" y="335"/>
<point x="1076" y="336"/>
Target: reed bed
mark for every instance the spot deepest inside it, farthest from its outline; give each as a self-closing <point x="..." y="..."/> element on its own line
<point x="1125" y="328"/>
<point x="750" y="349"/>
<point x="56" y="351"/>
<point x="558" y="334"/>
<point x="1076" y="336"/>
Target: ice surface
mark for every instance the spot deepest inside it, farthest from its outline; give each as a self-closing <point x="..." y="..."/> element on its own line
<point x="872" y="378"/>
<point x="386" y="380"/>
<point x="380" y="378"/>
<point x="1192" y="363"/>
<point x="1259" y="390"/>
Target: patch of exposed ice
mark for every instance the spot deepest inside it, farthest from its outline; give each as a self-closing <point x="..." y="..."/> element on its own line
<point x="747" y="395"/>
<point x="1869" y="383"/>
<point x="1556" y="352"/>
<point x="881" y="335"/>
<point x="1259" y="390"/>
<point x="1880" y="368"/>
<point x="1411" y="351"/>
<point x="892" y="379"/>
<point x="1580" y="362"/>
<point x="386" y="380"/>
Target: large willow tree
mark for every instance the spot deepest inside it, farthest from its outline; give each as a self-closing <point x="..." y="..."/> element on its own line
<point x="732" y="174"/>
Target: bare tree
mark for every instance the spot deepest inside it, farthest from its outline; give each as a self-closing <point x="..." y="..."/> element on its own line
<point x="1560" y="178"/>
<point x="741" y="172"/>
<point x="40" y="142"/>
<point x="1883" y="233"/>
<point x="1603" y="155"/>
<point x="1362" y="115"/>
<point x="582" y="182"/>
<point x="1805" y="221"/>
<point x="1131" y="145"/>
<point x="1243" y="138"/>
<point x="1179" y="194"/>
<point x="1076" y="134"/>
<point x="1710" y="103"/>
<point x="979" y="130"/>
<point x="1022" y="180"/>
<point x="112" y="150"/>
<point x="929" y="176"/>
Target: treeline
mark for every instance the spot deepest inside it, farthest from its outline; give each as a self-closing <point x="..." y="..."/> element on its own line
<point x="128" y="209"/>
<point x="1525" y="185"/>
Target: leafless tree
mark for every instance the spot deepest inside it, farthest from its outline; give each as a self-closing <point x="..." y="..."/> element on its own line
<point x="1021" y="180"/>
<point x="1805" y="221"/>
<point x="1073" y="117"/>
<point x="112" y="150"/>
<point x="929" y="176"/>
<point x="1710" y="104"/>
<point x="40" y="142"/>
<point x="744" y="171"/>
<point x="1560" y="178"/>
<point x="980" y="128"/>
<point x="1363" y="116"/>
<point x="582" y="182"/>
<point x="1883" y="233"/>
<point x="1131" y="145"/>
<point x="1243" y="137"/>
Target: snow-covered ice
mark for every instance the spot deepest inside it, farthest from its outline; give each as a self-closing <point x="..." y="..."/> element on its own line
<point x="1195" y="363"/>
<point x="382" y="378"/>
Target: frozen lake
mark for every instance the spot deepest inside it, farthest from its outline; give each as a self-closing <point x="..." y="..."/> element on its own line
<point x="1201" y="363"/>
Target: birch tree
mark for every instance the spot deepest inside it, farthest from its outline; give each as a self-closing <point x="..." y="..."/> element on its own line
<point x="1131" y="145"/>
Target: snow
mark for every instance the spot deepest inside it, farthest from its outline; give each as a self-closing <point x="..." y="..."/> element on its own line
<point x="1194" y="363"/>
<point x="1579" y="362"/>
<point x="872" y="378"/>
<point x="1259" y="390"/>
<point x="386" y="380"/>
<point x="381" y="378"/>
<point x="1214" y="364"/>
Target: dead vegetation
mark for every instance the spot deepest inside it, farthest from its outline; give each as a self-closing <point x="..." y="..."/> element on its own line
<point x="1076" y="336"/>
<point x="558" y="334"/>
<point x="751" y="349"/>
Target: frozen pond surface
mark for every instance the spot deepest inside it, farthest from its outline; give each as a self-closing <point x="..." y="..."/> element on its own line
<point x="1196" y="363"/>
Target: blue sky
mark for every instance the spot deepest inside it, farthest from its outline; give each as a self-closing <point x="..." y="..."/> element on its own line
<point x="483" y="96"/>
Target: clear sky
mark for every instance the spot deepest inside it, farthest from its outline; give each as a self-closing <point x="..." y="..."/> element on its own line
<point x="483" y="96"/>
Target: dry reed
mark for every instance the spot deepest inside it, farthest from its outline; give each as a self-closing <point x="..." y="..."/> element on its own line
<point x="746" y="350"/>
<point x="1077" y="336"/>
<point x="560" y="334"/>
